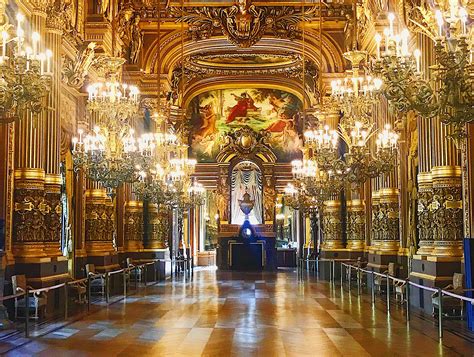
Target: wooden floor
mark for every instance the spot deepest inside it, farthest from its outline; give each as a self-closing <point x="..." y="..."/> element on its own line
<point x="245" y="314"/>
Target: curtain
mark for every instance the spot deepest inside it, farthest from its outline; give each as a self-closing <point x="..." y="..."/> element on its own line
<point x="250" y="179"/>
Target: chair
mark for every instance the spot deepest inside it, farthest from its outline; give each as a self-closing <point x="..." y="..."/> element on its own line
<point x="358" y="264"/>
<point x="451" y="304"/>
<point x="135" y="274"/>
<point x="381" y="281"/>
<point x="98" y="281"/>
<point x="37" y="301"/>
<point x="80" y="288"/>
<point x="400" y="288"/>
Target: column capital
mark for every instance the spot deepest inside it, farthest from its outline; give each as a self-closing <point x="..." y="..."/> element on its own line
<point x="57" y="15"/>
<point x="39" y="6"/>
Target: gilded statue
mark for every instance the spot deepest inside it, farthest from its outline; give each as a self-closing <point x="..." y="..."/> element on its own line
<point x="223" y="199"/>
<point x="130" y="32"/>
<point x="269" y="198"/>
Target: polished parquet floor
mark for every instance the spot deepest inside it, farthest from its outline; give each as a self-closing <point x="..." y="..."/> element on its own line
<point x="245" y="314"/>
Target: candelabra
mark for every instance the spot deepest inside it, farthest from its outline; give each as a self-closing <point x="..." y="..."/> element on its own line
<point x="111" y="99"/>
<point x="358" y="164"/>
<point x="25" y="72"/>
<point x="355" y="97"/>
<point x="449" y="91"/>
<point x="111" y="155"/>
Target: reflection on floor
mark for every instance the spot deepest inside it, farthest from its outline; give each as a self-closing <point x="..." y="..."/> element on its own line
<point x="245" y="314"/>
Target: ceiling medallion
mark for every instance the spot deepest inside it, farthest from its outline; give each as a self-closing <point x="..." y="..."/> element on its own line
<point x="243" y="24"/>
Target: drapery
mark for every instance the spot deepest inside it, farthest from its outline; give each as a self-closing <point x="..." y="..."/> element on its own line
<point x="249" y="179"/>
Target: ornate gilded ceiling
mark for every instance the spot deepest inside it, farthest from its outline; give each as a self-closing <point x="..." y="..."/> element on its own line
<point x="238" y="42"/>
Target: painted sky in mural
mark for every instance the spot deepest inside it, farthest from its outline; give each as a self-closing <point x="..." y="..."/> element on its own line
<point x="216" y="112"/>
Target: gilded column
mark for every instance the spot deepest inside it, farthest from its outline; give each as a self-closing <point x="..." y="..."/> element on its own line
<point x="355" y="223"/>
<point x="97" y="228"/>
<point x="52" y="141"/>
<point x="158" y="227"/>
<point x="133" y="226"/>
<point x="425" y="184"/>
<point x="389" y="220"/>
<point x="332" y="225"/>
<point x="30" y="205"/>
<point x="375" y="241"/>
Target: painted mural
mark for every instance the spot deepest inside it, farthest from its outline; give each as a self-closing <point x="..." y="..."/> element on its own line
<point x="216" y="112"/>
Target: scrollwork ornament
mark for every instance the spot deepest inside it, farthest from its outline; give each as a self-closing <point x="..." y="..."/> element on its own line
<point x="30" y="210"/>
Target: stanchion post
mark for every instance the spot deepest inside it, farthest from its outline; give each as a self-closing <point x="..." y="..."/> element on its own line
<point x="154" y="272"/>
<point x="66" y="298"/>
<point x="440" y="314"/>
<point x="136" y="277"/>
<point x="388" y="292"/>
<point x="333" y="263"/>
<point x="358" y="280"/>
<point x="125" y="282"/>
<point x="342" y="269"/>
<point x="107" y="287"/>
<point x="349" y="276"/>
<point x="407" y="299"/>
<point x="27" y="312"/>
<point x="89" y="284"/>
<point x="372" y="288"/>
<point x="145" y="273"/>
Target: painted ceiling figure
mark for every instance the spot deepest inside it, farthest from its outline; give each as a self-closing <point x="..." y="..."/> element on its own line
<point x="244" y="103"/>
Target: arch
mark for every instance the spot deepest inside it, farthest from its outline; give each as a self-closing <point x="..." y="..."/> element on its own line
<point x="332" y="59"/>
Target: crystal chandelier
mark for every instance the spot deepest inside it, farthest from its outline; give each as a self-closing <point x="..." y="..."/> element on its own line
<point x="111" y="99"/>
<point x="359" y="163"/>
<point x="25" y="72"/>
<point x="111" y="155"/>
<point x="356" y="94"/>
<point x="449" y="91"/>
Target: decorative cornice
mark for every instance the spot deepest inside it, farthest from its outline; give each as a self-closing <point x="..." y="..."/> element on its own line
<point x="244" y="24"/>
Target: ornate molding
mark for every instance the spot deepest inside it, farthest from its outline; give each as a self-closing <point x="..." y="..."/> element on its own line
<point x="243" y="24"/>
<point x="30" y="209"/>
<point x="245" y="144"/>
<point x="74" y="72"/>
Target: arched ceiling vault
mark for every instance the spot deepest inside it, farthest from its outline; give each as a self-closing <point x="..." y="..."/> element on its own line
<point x="332" y="60"/>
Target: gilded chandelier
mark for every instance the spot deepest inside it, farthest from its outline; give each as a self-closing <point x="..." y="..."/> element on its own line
<point x="166" y="178"/>
<point x="111" y="99"/>
<point x="449" y="91"/>
<point x="111" y="155"/>
<point x="25" y="72"/>
<point x="355" y="97"/>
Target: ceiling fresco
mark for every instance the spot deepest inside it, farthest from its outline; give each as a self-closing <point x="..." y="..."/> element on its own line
<point x="214" y="113"/>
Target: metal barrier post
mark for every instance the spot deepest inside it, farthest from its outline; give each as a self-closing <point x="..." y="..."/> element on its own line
<point x="358" y="280"/>
<point x="330" y="272"/>
<point x="407" y="293"/>
<point x="154" y="272"/>
<point x="89" y="292"/>
<point x="136" y="277"/>
<point x="372" y="288"/>
<point x="342" y="266"/>
<point x="145" y="273"/>
<point x="27" y="312"/>
<point x="107" y="287"/>
<point x="66" y="298"/>
<point x="125" y="282"/>
<point x="440" y="314"/>
<point x="388" y="292"/>
<point x="349" y="276"/>
<point x="333" y="263"/>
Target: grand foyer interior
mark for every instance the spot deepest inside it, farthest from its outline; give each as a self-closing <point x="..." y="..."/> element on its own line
<point x="248" y="135"/>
